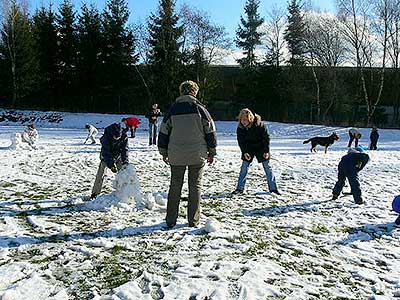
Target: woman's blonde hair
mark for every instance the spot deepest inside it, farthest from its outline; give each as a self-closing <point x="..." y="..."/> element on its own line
<point x="189" y="88"/>
<point x="246" y="113"/>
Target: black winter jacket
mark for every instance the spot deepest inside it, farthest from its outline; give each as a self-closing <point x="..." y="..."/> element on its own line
<point x="354" y="161"/>
<point x="152" y="115"/>
<point x="374" y="136"/>
<point x="253" y="139"/>
<point x="114" y="149"/>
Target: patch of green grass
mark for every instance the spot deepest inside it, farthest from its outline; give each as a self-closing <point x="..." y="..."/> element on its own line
<point x="297" y="231"/>
<point x="323" y="251"/>
<point x="257" y="248"/>
<point x="117" y="249"/>
<point x="297" y="252"/>
<point x="7" y="184"/>
<point x="319" y="229"/>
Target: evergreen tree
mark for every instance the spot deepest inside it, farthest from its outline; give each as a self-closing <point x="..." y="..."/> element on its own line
<point x="247" y="35"/>
<point x="45" y="48"/>
<point x="118" y="49"/>
<point x="89" y="48"/>
<point x="67" y="46"/>
<point x="165" y="56"/>
<point x="15" y="50"/>
<point x="295" y="34"/>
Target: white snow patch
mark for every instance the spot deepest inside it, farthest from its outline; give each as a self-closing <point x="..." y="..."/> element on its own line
<point x="127" y="194"/>
<point x="212" y="225"/>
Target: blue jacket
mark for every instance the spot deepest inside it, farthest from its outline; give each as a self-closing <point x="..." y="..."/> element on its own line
<point x="113" y="149"/>
<point x="354" y="161"/>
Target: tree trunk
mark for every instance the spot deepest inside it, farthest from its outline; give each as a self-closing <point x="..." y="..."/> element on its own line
<point x="149" y="94"/>
<point x="317" y="93"/>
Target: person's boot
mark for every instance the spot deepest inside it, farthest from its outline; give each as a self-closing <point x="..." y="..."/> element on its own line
<point x="359" y="201"/>
<point x="276" y="192"/>
<point x="335" y="197"/>
<point x="236" y="192"/>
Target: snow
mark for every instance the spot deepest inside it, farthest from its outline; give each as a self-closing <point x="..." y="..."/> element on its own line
<point x="212" y="225"/>
<point x="55" y="244"/>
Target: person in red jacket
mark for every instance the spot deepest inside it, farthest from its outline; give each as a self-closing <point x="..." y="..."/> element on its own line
<point x="131" y="123"/>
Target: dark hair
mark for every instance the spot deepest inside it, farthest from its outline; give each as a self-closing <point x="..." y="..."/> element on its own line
<point x="87" y="126"/>
<point x="123" y="120"/>
<point x="31" y="126"/>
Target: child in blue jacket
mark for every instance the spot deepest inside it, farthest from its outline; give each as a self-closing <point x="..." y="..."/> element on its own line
<point x="349" y="166"/>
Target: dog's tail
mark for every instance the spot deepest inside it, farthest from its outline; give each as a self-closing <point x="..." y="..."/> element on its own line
<point x="305" y="142"/>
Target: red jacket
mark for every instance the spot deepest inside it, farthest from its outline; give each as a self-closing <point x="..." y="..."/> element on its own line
<point x="132" y="122"/>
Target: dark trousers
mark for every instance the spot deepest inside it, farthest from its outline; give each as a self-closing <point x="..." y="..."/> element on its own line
<point x="133" y="132"/>
<point x="352" y="138"/>
<point x="175" y="190"/>
<point x="98" y="183"/>
<point x="373" y="145"/>
<point x="152" y="133"/>
<point x="132" y="129"/>
<point x="352" y="175"/>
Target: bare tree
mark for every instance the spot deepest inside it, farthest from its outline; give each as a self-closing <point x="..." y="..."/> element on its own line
<point x="14" y="28"/>
<point x="273" y="37"/>
<point x="204" y="43"/>
<point x="394" y="52"/>
<point x="325" y="46"/>
<point x="365" y="25"/>
<point x="383" y="17"/>
<point x="143" y="47"/>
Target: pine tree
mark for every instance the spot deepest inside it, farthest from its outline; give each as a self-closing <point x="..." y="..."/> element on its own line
<point x="118" y="49"/>
<point x="16" y="50"/>
<point x="67" y="46"/>
<point x="247" y="35"/>
<point x="165" y="55"/>
<point x="295" y="34"/>
<point x="89" y="48"/>
<point x="45" y="47"/>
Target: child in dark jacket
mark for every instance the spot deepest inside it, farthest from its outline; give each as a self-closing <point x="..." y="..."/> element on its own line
<point x="253" y="139"/>
<point x="113" y="155"/>
<point x="374" y="136"/>
<point x="349" y="166"/>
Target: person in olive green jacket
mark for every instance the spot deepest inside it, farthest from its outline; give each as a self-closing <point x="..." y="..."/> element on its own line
<point x="187" y="139"/>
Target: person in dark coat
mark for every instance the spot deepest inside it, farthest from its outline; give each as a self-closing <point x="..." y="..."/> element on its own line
<point x="349" y="166"/>
<point x="374" y="136"/>
<point x="113" y="154"/>
<point x="152" y="116"/>
<point x="253" y="139"/>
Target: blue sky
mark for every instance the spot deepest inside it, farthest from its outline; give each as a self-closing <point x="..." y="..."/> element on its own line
<point x="223" y="12"/>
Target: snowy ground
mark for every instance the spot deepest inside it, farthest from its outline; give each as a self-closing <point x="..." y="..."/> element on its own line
<point x="299" y="245"/>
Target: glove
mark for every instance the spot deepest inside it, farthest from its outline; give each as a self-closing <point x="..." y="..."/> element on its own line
<point x="114" y="169"/>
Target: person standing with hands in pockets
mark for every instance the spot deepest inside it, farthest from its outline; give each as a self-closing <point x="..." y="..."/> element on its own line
<point x="187" y="139"/>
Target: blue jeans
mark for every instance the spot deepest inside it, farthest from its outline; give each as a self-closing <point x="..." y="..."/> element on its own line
<point x="268" y="173"/>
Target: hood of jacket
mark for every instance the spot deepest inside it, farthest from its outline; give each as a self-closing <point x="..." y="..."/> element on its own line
<point x="114" y="130"/>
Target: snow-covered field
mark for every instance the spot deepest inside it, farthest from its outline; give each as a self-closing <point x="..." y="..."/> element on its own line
<point x="300" y="245"/>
